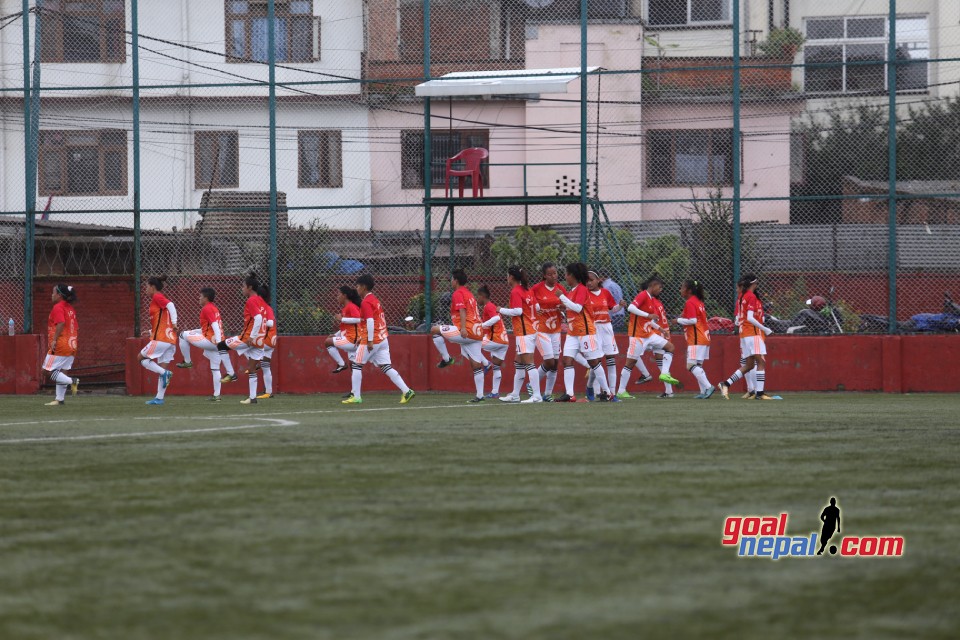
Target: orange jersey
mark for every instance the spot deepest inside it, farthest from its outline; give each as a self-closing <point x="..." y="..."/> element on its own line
<point x="210" y="318"/>
<point x="581" y="323"/>
<point x="269" y="333"/>
<point x="350" y="331"/>
<point x="749" y="303"/>
<point x="161" y="326"/>
<point x="526" y="322"/>
<point x="662" y="318"/>
<point x="66" y="344"/>
<point x="601" y="301"/>
<point x="497" y="333"/>
<point x="639" y="327"/>
<point x="371" y="308"/>
<point x="697" y="334"/>
<point x="254" y="307"/>
<point x="550" y="316"/>
<point x="463" y="299"/>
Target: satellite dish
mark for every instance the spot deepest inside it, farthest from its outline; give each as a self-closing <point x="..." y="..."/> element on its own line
<point x="538" y="4"/>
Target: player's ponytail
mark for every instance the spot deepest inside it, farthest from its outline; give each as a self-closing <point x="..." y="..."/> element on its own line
<point x="695" y="287"/>
<point x="157" y="282"/>
<point x="579" y="271"/>
<point x="519" y="274"/>
<point x="351" y="294"/>
<point x="252" y="281"/>
<point x="67" y="292"/>
<point x="264" y="291"/>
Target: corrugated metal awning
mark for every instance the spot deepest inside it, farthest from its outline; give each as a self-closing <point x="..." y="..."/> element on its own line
<point x="498" y="83"/>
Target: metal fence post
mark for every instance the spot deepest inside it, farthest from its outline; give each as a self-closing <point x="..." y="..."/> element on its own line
<point x="30" y="185"/>
<point x="272" y="58"/>
<point x="735" y="151"/>
<point x="135" y="54"/>
<point x="584" y="45"/>
<point x="427" y="176"/>
<point x="892" y="171"/>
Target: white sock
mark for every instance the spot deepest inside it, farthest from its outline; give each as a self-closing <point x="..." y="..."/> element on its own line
<point x="667" y="361"/>
<point x="497" y="376"/>
<point x="252" y="382"/>
<point x="601" y="378"/>
<point x="518" y="374"/>
<point x="61" y="378"/>
<point x="216" y="381"/>
<point x="569" y="375"/>
<point x="542" y="373"/>
<point x="267" y="377"/>
<point x="185" y="349"/>
<point x="227" y="364"/>
<point x="395" y="378"/>
<point x="551" y="382"/>
<point x="441" y="346"/>
<point x="701" y="377"/>
<point x="161" y="390"/>
<point x="736" y="376"/>
<point x="761" y="380"/>
<point x="478" y="381"/>
<point x="580" y="360"/>
<point x="751" y="378"/>
<point x="624" y="378"/>
<point x="335" y="354"/>
<point x="150" y="365"/>
<point x="611" y="372"/>
<point x="643" y="368"/>
<point x="356" y="378"/>
<point x="534" y="376"/>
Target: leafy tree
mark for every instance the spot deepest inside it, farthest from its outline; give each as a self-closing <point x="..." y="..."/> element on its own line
<point x="531" y="248"/>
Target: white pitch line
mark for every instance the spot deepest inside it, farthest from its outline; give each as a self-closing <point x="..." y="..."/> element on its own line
<point x="147" y="434"/>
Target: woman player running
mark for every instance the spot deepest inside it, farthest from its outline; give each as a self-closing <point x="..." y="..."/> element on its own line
<point x="163" y="337"/>
<point x="349" y="320"/>
<point x="495" y="340"/>
<point x="250" y="341"/>
<point x="62" y="332"/>
<point x="549" y="325"/>
<point x="206" y="338"/>
<point x="522" y="311"/>
<point x="753" y="342"/>
<point x="694" y="322"/>
<point x="269" y="343"/>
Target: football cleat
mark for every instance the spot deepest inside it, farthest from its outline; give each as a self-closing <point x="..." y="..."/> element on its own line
<point x="165" y="378"/>
<point x="644" y="380"/>
<point x="184" y="365"/>
<point x="614" y="399"/>
<point x="264" y="396"/>
<point x="348" y="394"/>
<point x="57" y="403"/>
<point x="749" y="395"/>
<point x="408" y="396"/>
<point x="214" y="398"/>
<point x="249" y="401"/>
<point x="509" y="398"/>
<point x="532" y="400"/>
<point x="474" y="400"/>
<point x="709" y="392"/>
<point x="623" y="395"/>
<point x="764" y="396"/>
<point x="228" y="378"/>
<point x="352" y="400"/>
<point x="724" y="390"/>
<point x="340" y="368"/>
<point x="445" y="363"/>
<point x="74" y="386"/>
<point x="156" y="402"/>
<point x="665" y="396"/>
<point x="669" y="379"/>
<point x="591" y="396"/>
<point x="492" y="396"/>
<point x="567" y="398"/>
<point x="548" y="398"/>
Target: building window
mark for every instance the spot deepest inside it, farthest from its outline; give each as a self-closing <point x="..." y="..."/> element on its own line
<point x="444" y="144"/>
<point x="80" y="163"/>
<point x="678" y="13"/>
<point x="690" y="157"/>
<point x="296" y="33"/>
<point x="853" y="54"/>
<point x="320" y="159"/>
<point x="216" y="159"/>
<point x="88" y="31"/>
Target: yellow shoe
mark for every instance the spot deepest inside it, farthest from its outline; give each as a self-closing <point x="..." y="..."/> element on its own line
<point x="264" y="396"/>
<point x="748" y="395"/>
<point x="408" y="396"/>
<point x="54" y="403"/>
<point x="74" y="386"/>
<point x="352" y="400"/>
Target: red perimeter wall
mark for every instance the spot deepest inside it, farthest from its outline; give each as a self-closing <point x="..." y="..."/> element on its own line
<point x="894" y="364"/>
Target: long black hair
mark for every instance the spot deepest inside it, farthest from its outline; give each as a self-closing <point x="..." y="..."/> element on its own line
<point x="157" y="282"/>
<point x="67" y="292"/>
<point x="579" y="271"/>
<point x="351" y="295"/>
<point x="654" y="278"/>
<point x="695" y="287"/>
<point x="520" y="275"/>
<point x="748" y="280"/>
<point x="545" y="266"/>
<point x="252" y="281"/>
<point x="264" y="292"/>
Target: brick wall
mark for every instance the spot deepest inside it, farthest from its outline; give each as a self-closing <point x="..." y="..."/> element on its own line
<point x="717" y="73"/>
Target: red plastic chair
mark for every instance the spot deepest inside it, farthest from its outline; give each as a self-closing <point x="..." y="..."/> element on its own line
<point x="472" y="159"/>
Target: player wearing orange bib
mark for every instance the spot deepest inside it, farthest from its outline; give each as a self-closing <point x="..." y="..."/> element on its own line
<point x="269" y="343"/>
<point x="206" y="338"/>
<point x="373" y="345"/>
<point x="495" y="340"/>
<point x="163" y="337"/>
<point x="694" y="322"/>
<point x="522" y="312"/>
<point x="348" y="336"/>
<point x="62" y="334"/>
<point x="465" y="330"/>
<point x="644" y="331"/>
<point x="550" y="324"/>
<point x="752" y="340"/>
<point x="250" y="341"/>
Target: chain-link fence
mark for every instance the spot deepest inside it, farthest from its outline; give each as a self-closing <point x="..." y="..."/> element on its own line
<point x="309" y="141"/>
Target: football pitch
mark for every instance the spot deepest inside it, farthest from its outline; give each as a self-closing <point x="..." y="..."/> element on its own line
<point x="300" y="518"/>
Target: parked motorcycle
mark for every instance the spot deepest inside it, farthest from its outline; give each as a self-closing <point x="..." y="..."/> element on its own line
<point x="946" y="322"/>
<point x="819" y="317"/>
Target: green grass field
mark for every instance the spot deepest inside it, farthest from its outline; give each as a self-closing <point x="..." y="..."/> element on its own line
<point x="299" y="518"/>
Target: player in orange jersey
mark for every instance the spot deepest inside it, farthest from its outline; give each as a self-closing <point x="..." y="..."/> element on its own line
<point x="347" y="337"/>
<point x="603" y="305"/>
<point x="753" y="342"/>
<point x="750" y="377"/>
<point x="250" y="341"/>
<point x="269" y="343"/>
<point x="62" y="333"/>
<point x="206" y="338"/>
<point x="659" y="353"/>
<point x="581" y="333"/>
<point x="464" y="329"/>
<point x="163" y="337"/>
<point x="495" y="340"/>
<point x="373" y="344"/>
<point x="523" y="314"/>
<point x="550" y="324"/>
<point x="694" y="322"/>
<point x="645" y="334"/>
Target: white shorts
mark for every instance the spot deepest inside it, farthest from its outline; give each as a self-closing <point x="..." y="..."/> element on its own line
<point x="469" y="348"/>
<point x="656" y="342"/>
<point x="162" y="352"/>
<point x="634" y="348"/>
<point x="196" y="339"/>
<point x="496" y="349"/>
<point x="588" y="346"/>
<point x="526" y="344"/>
<point x="753" y="346"/>
<point x="548" y="344"/>
<point x="698" y="353"/>
<point x="57" y="363"/>
<point x="243" y="349"/>
<point x="608" y="342"/>
<point x="342" y="343"/>
<point x="379" y="355"/>
<point x="270" y="346"/>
